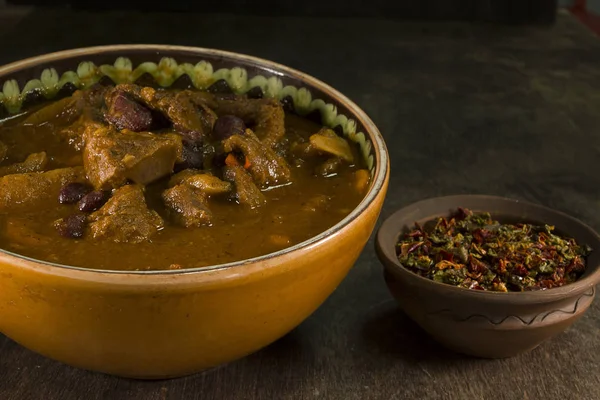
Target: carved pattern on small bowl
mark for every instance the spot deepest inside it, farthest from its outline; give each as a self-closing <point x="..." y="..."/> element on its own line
<point x="524" y="320"/>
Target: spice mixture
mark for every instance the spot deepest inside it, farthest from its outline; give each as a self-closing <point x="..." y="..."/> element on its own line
<point x="476" y="252"/>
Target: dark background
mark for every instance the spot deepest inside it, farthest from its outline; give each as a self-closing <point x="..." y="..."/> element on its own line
<point x="464" y="108"/>
<point x="505" y="11"/>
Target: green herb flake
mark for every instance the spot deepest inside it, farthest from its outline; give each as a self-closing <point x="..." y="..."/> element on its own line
<point x="474" y="251"/>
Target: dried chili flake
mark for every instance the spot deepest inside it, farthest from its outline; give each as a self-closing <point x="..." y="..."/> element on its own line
<point x="473" y="251"/>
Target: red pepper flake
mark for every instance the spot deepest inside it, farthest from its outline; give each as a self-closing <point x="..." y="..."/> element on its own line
<point x="231" y="161"/>
<point x="476" y="252"/>
<point x="520" y="270"/>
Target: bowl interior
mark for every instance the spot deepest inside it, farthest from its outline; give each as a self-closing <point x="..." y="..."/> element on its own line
<point x="505" y="211"/>
<point x="52" y="76"/>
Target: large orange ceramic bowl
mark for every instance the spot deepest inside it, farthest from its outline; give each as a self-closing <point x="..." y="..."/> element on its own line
<point x="158" y="324"/>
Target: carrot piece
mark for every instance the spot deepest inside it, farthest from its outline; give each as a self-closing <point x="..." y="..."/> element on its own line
<point x="231" y="161"/>
<point x="247" y="164"/>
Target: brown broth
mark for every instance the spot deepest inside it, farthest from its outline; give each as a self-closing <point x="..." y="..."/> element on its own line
<point x="236" y="234"/>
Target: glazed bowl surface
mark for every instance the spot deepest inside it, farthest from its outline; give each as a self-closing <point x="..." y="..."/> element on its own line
<point x="481" y="323"/>
<point x="159" y="324"/>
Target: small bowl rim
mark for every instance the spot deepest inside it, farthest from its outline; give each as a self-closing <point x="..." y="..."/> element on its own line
<point x="381" y="156"/>
<point x="391" y="264"/>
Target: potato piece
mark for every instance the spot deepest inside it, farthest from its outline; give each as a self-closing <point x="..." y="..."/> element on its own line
<point x="35" y="162"/>
<point x="182" y="176"/>
<point x="20" y="192"/>
<point x="327" y="141"/>
<point x="68" y="108"/>
<point x="208" y="184"/>
<point x="204" y="181"/>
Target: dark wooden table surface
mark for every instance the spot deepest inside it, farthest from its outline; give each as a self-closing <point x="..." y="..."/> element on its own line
<point x="464" y="109"/>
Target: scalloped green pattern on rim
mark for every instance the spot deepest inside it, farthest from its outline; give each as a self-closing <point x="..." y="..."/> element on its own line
<point x="202" y="75"/>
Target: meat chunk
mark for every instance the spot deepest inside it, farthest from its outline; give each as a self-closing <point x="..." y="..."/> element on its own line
<point x="266" y="115"/>
<point x="66" y="110"/>
<point x="246" y="192"/>
<point x="23" y="191"/>
<point x="192" y="118"/>
<point x="35" y="162"/>
<point x="189" y="111"/>
<point x="266" y="167"/>
<point x="125" y="218"/>
<point x="112" y="158"/>
<point x="126" y="113"/>
<point x="71" y="114"/>
<point x="187" y="199"/>
<point x="186" y="206"/>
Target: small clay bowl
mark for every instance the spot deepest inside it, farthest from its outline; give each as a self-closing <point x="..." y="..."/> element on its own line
<point x="487" y="324"/>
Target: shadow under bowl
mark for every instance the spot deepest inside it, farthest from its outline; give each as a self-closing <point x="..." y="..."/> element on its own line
<point x="481" y="323"/>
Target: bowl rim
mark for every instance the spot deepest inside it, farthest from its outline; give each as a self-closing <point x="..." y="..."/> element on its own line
<point x="389" y="228"/>
<point x="381" y="165"/>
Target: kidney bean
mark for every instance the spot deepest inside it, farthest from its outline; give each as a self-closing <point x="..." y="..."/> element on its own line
<point x="93" y="200"/>
<point x="193" y="156"/>
<point x="227" y="126"/>
<point x="73" y="192"/>
<point x="125" y="113"/>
